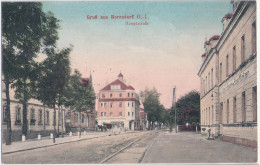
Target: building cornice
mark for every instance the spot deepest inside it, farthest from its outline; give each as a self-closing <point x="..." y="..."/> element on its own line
<point x="207" y="60"/>
<point x="240" y="11"/>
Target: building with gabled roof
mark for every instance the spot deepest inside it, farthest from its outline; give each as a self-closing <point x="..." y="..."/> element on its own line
<point x="118" y="105"/>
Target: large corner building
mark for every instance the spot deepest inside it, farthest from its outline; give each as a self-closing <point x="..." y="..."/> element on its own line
<point x="229" y="78"/>
<point x="118" y="105"/>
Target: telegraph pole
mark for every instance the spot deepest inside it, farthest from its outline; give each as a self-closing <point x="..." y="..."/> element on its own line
<point x="174" y="105"/>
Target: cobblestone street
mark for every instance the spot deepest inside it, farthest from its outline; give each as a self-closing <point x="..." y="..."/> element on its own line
<point x="147" y="147"/>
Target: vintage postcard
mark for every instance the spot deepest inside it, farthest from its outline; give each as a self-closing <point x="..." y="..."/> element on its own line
<point x="129" y="82"/>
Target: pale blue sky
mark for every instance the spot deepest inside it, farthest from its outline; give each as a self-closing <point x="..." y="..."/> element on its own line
<point x="165" y="53"/>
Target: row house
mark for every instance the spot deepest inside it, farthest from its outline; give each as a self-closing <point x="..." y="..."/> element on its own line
<point x="40" y="118"/>
<point x="229" y="78"/>
<point x="118" y="105"/>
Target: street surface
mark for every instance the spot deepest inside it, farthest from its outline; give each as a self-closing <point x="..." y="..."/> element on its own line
<point x="150" y="147"/>
<point x="190" y="147"/>
<point x="81" y="152"/>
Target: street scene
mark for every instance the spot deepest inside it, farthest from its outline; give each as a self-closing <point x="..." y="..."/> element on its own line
<point x="129" y="82"/>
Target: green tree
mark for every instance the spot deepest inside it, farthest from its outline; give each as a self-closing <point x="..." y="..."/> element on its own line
<point x="151" y="105"/>
<point x="55" y="74"/>
<point x="80" y="97"/>
<point x="26" y="31"/>
<point x="188" y="108"/>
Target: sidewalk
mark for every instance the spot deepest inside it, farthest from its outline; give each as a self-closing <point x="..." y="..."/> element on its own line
<point x="45" y="142"/>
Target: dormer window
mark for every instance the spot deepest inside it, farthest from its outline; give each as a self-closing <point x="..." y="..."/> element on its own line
<point x="103" y="95"/>
<point x="115" y="87"/>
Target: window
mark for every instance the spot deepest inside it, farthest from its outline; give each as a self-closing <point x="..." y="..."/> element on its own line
<point x="212" y="77"/>
<point x="128" y="94"/>
<point x="82" y="118"/>
<point x="206" y="84"/>
<point x="105" y="104"/>
<point x="132" y="94"/>
<point x="209" y="80"/>
<point x="254" y="38"/>
<point x="243" y="107"/>
<point x="103" y="95"/>
<point x="47" y="118"/>
<point x="120" y="104"/>
<point x="212" y="120"/>
<point x="243" y="49"/>
<point x="227" y="110"/>
<point x="128" y="113"/>
<point x="120" y="94"/>
<point x="227" y="65"/>
<point x="4" y="114"/>
<point x="111" y="114"/>
<point x="76" y="117"/>
<point x="101" y="104"/>
<point x="254" y="102"/>
<point x="101" y="113"/>
<point x="221" y="113"/>
<point x="40" y="116"/>
<point x="234" y="59"/>
<point x="220" y="72"/>
<point x="209" y="116"/>
<point x="234" y="109"/>
<point x="132" y="113"/>
<point x="111" y="94"/>
<point x="105" y="114"/>
<point x="120" y="114"/>
<point x="18" y="115"/>
<point x="111" y="105"/>
<point x="128" y="104"/>
<point x="132" y="104"/>
<point x="206" y="116"/>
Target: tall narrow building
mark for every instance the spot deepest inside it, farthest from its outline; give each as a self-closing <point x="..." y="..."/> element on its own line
<point x="118" y="105"/>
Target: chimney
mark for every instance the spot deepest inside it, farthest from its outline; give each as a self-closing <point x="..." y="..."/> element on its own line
<point x="226" y="20"/>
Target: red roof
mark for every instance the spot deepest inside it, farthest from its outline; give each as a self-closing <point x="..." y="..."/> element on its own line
<point x="118" y="82"/>
<point x="120" y="75"/>
<point x="215" y="37"/>
<point x="203" y="55"/>
<point x="229" y="15"/>
<point x="207" y="42"/>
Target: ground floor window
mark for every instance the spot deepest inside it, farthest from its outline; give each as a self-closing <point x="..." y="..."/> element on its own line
<point x="32" y="117"/>
<point x="47" y="118"/>
<point x="40" y="116"/>
<point x="4" y="114"/>
<point x="254" y="102"/>
<point x="18" y="115"/>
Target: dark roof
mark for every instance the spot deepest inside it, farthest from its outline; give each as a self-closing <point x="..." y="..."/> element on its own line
<point x="118" y="82"/>
<point x="84" y="81"/>
<point x="215" y="37"/>
<point x="229" y="15"/>
<point x="207" y="42"/>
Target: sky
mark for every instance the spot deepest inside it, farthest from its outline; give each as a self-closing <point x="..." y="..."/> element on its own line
<point x="163" y="54"/>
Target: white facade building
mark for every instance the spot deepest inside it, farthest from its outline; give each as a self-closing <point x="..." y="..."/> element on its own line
<point x="228" y="78"/>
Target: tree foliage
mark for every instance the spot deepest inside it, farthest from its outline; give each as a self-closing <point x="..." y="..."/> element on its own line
<point x="80" y="97"/>
<point x="188" y="108"/>
<point x="26" y="31"/>
<point x="155" y="111"/>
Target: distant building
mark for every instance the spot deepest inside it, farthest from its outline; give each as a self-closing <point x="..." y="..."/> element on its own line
<point x="83" y="120"/>
<point x="118" y="105"/>
<point x="143" y="119"/>
<point x="228" y="78"/>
